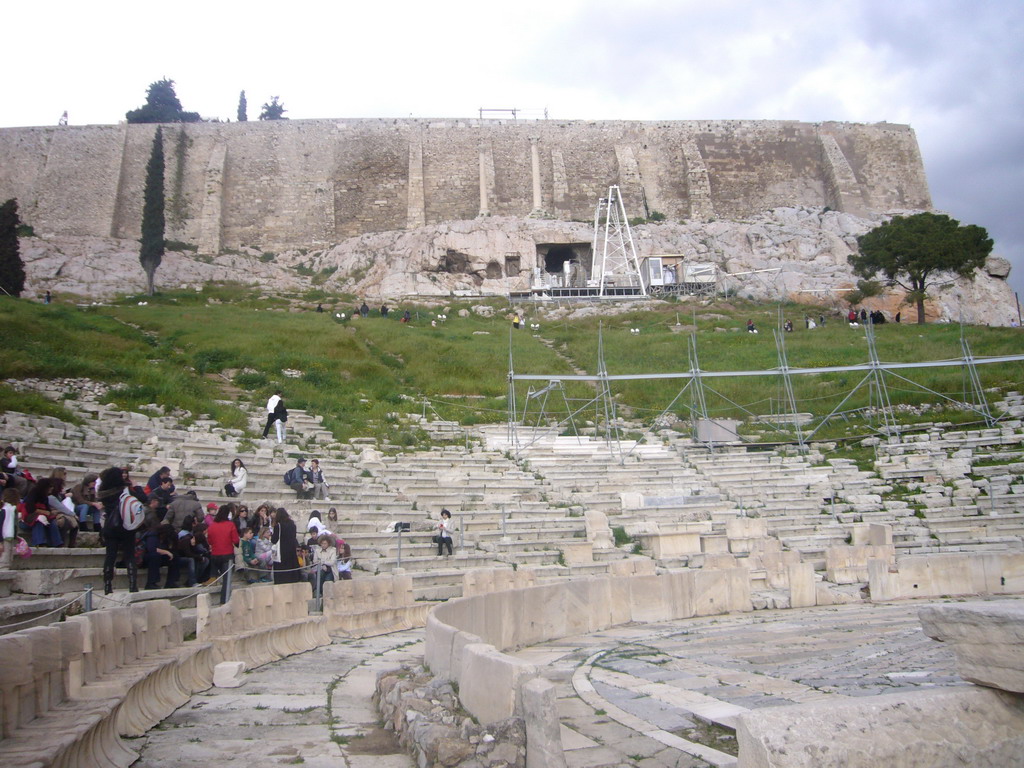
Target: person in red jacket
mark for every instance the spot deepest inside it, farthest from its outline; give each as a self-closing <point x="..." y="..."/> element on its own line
<point x="223" y="538"/>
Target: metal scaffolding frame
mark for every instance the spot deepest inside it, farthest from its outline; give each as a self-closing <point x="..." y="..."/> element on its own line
<point x="875" y="372"/>
<point x="618" y="265"/>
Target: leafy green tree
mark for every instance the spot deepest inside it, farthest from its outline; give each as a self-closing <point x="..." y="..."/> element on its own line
<point x="865" y="290"/>
<point x="12" y="268"/>
<point x="273" y="110"/>
<point x="162" y="106"/>
<point x="912" y="251"/>
<point x="242" y="108"/>
<point x="151" y="252"/>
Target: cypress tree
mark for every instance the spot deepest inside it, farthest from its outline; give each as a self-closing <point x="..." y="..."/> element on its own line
<point x="12" y="269"/>
<point x="242" y="106"/>
<point x="152" y="251"/>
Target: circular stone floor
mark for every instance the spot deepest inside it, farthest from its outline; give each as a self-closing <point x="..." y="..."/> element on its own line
<point x="668" y="694"/>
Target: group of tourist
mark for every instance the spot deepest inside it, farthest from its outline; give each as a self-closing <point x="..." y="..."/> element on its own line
<point x="307" y="483"/>
<point x="155" y="527"/>
<point x="863" y="317"/>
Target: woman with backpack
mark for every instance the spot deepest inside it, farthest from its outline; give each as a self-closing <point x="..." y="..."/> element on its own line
<point x="123" y="515"/>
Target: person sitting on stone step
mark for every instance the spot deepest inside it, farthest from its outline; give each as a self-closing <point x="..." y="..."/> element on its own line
<point x="238" y="479"/>
<point x="297" y="478"/>
<point x="444" y="535"/>
<point x="325" y="558"/>
<point x="157" y="478"/>
<point x="164" y="495"/>
<point x="40" y="518"/>
<point x="87" y="506"/>
<point x="316" y="478"/>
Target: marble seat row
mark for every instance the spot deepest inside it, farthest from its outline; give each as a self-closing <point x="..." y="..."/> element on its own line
<point x="69" y="692"/>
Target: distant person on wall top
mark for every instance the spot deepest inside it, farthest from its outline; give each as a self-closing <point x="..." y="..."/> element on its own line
<point x="277" y="414"/>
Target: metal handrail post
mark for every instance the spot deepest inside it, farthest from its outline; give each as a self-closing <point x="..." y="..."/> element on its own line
<point x="225" y="585"/>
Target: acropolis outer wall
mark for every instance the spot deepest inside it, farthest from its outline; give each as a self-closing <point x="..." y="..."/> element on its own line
<point x="310" y="183"/>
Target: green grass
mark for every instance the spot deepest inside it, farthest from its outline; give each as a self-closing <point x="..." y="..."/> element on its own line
<point x="359" y="374"/>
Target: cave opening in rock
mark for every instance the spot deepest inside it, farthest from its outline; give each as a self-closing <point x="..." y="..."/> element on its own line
<point x="555" y="258"/>
<point x="567" y="264"/>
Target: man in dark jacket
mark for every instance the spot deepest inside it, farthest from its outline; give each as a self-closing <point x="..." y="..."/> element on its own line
<point x="297" y="478"/>
<point x="184" y="505"/>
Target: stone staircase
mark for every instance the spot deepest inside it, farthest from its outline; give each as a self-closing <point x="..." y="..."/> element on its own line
<point x="957" y="491"/>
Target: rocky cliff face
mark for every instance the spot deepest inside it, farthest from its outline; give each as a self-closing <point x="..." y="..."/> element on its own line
<point x="792" y="253"/>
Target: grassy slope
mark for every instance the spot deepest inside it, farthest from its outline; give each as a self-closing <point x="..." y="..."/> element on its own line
<point x="357" y="373"/>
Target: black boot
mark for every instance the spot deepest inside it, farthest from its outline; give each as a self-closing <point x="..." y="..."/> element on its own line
<point x="133" y="577"/>
<point x="108" y="581"/>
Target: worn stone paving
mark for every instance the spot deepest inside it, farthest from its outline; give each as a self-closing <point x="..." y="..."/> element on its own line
<point x="628" y="694"/>
<point x="660" y="695"/>
<point x="312" y="709"/>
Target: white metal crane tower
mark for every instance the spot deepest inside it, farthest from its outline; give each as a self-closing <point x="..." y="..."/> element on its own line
<point x="615" y="263"/>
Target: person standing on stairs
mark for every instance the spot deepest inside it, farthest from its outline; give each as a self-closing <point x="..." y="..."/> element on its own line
<point x="124" y="514"/>
<point x="276" y="415"/>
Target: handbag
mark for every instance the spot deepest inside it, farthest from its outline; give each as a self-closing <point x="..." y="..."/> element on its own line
<point x="22" y="549"/>
<point x="275" y="548"/>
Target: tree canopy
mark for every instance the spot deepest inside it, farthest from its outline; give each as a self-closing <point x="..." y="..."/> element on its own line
<point x="273" y="110"/>
<point x="12" y="268"/>
<point x="912" y="251"/>
<point x="162" y="106"/>
<point x="242" y="108"/>
<point x="151" y="252"/>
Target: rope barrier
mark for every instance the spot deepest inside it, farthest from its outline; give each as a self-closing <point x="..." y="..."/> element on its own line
<point x="42" y="615"/>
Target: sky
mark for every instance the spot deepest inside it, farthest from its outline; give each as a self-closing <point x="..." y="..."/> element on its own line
<point x="949" y="68"/>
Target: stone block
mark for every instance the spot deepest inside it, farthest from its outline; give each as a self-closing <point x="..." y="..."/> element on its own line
<point x="879" y="535"/>
<point x="668" y="545"/>
<point x="631" y="500"/>
<point x="229" y="674"/>
<point x="987" y="638"/>
<point x="543" y="729"/>
<point x="746" y="528"/>
<point x="849" y="565"/>
<point x="802" y="590"/>
<point x="714" y="544"/>
<point x="490" y="683"/>
<point x="599" y="534"/>
<point x="580" y="553"/>
<point x="918" y="729"/>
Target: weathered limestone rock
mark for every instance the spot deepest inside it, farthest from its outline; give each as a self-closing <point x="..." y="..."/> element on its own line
<point x="424" y="712"/>
<point x="898" y="730"/>
<point x="988" y="639"/>
<point x="472" y="256"/>
<point x="598" y="531"/>
<point x="228" y="674"/>
<point x="543" y="730"/>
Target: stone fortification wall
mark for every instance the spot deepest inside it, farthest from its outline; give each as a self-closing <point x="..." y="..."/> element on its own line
<point x="316" y="182"/>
